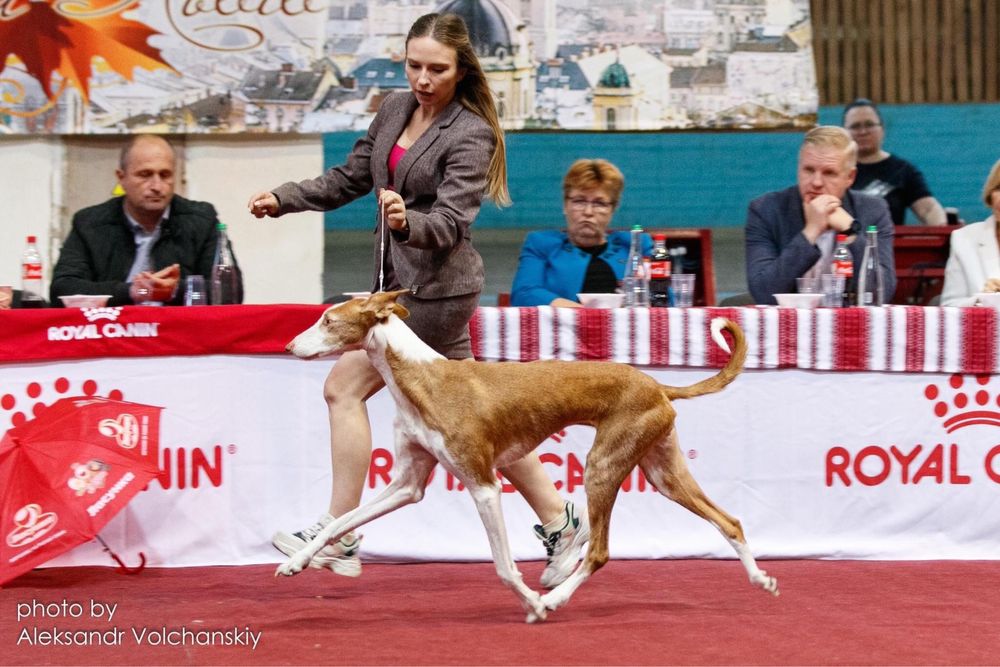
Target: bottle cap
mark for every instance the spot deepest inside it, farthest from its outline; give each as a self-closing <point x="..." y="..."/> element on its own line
<point x="31" y="239"/>
<point x="221" y="226"/>
<point x="636" y="228"/>
<point x="841" y="237"/>
<point x="660" y="237"/>
<point x="872" y="228"/>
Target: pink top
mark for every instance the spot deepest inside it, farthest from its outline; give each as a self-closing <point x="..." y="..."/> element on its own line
<point x="395" y="155"/>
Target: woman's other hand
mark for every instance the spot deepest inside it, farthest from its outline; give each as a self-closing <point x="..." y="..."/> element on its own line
<point x="992" y="285"/>
<point x="263" y="203"/>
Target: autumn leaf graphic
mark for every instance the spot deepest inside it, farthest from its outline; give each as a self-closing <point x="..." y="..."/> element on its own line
<point x="48" y="42"/>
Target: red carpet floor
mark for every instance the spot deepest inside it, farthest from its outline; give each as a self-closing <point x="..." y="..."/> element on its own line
<point x="630" y="613"/>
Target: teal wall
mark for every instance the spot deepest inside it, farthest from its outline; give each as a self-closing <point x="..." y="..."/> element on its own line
<point x="706" y="179"/>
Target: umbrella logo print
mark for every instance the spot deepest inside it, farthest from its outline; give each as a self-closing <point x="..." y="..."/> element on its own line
<point x="125" y="430"/>
<point x="88" y="477"/>
<point x="32" y="523"/>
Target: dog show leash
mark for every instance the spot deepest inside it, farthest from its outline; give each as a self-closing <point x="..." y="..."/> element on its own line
<point x="381" y="252"/>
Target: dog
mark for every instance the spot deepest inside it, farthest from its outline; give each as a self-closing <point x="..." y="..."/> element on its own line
<point x="473" y="417"/>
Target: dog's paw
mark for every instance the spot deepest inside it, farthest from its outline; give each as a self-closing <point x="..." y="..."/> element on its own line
<point x="536" y="616"/>
<point x="536" y="609"/>
<point x="553" y="600"/>
<point x="291" y="567"/>
<point x="769" y="584"/>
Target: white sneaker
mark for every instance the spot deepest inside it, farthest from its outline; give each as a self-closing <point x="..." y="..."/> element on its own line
<point x="563" y="544"/>
<point x="341" y="557"/>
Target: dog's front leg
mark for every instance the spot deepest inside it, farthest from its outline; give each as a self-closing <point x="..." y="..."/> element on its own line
<point x="487" y="500"/>
<point x="410" y="472"/>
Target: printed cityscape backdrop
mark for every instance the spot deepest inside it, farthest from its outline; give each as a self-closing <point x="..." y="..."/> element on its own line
<point x="187" y="66"/>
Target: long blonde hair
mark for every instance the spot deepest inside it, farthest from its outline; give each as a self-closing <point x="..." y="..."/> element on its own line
<point x="473" y="92"/>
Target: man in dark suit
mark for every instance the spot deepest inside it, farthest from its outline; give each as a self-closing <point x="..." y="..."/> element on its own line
<point x="139" y="247"/>
<point x="791" y="233"/>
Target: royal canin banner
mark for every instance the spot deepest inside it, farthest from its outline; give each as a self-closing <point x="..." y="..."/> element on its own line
<point x="898" y="338"/>
<point x="881" y="465"/>
<point x="815" y="465"/>
<point x="141" y="331"/>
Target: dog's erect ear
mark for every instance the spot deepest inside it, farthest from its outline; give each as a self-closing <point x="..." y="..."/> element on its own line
<point x="384" y="304"/>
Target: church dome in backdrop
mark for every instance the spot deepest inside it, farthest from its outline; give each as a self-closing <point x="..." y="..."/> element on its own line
<point x="490" y="25"/>
<point x="614" y="76"/>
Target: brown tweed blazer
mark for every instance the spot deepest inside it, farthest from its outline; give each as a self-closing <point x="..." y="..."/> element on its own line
<point x="442" y="179"/>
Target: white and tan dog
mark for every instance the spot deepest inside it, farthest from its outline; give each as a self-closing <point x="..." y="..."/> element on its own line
<point x="473" y="417"/>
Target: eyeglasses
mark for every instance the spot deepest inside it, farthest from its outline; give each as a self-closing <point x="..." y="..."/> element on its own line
<point x="867" y="125"/>
<point x="580" y="204"/>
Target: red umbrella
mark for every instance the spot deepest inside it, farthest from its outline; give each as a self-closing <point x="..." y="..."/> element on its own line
<point x="67" y="472"/>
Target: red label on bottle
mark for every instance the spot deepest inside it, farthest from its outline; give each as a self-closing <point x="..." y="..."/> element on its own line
<point x="31" y="271"/>
<point x="845" y="269"/>
<point x="659" y="269"/>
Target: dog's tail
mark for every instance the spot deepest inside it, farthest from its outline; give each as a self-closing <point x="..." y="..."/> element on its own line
<point x="728" y="373"/>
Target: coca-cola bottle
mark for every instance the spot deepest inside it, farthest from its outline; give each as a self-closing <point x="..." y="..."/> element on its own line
<point x="31" y="276"/>
<point x="659" y="273"/>
<point x="843" y="265"/>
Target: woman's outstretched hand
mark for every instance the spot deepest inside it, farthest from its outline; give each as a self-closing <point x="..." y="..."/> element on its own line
<point x="263" y="203"/>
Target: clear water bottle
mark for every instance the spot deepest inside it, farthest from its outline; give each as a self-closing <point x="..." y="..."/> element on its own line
<point x="678" y="258"/>
<point x="636" y="281"/>
<point x="225" y="279"/>
<point x="659" y="273"/>
<point x="31" y="275"/>
<point x="843" y="265"/>
<point x="870" y="292"/>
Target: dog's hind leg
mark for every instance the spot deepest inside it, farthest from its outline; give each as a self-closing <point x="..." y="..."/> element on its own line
<point x="666" y="470"/>
<point x="410" y="471"/>
<point x="487" y="499"/>
<point x="611" y="459"/>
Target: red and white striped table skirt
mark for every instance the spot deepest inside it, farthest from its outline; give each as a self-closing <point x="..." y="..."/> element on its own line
<point x="907" y="339"/>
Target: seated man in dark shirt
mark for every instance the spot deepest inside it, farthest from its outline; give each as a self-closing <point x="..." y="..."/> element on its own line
<point x="791" y="232"/>
<point x="884" y="175"/>
<point x="139" y="248"/>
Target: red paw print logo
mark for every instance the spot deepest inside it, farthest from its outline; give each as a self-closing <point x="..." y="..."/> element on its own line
<point x="962" y="404"/>
<point x="38" y="396"/>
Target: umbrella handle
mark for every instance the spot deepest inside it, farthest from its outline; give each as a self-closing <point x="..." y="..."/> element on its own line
<point x="122" y="567"/>
<point x="125" y="569"/>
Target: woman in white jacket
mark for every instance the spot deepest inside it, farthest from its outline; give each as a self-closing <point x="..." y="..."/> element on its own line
<point x="974" y="261"/>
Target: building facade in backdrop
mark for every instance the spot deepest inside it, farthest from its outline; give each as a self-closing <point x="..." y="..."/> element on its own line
<point x="179" y="66"/>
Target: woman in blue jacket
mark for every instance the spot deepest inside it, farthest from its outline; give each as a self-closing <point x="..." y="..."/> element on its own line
<point x="555" y="266"/>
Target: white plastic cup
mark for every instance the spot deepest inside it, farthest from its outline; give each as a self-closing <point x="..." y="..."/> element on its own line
<point x="194" y="291"/>
<point x="683" y="286"/>
<point x="807" y="285"/>
<point x="833" y="290"/>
